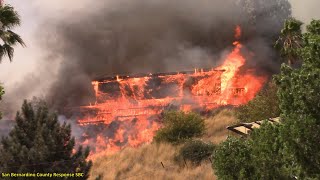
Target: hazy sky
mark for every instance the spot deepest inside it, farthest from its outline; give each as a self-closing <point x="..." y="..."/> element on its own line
<point x="35" y="12"/>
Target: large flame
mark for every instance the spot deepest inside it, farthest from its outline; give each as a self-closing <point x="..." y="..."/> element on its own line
<point x="130" y="106"/>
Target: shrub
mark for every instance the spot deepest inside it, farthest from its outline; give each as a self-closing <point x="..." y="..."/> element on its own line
<point x="259" y="156"/>
<point x="179" y="126"/>
<point x="195" y="151"/>
<point x="269" y="159"/>
<point x="263" y="106"/>
<point x="232" y="159"/>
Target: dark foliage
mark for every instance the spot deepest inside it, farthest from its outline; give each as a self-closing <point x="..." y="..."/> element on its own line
<point x="263" y="106"/>
<point x="232" y="159"/>
<point x="195" y="151"/>
<point x="179" y="126"/>
<point x="290" y="41"/>
<point x="300" y="105"/>
<point x="259" y="157"/>
<point x="38" y="143"/>
<point x="289" y="150"/>
<point x="9" y="18"/>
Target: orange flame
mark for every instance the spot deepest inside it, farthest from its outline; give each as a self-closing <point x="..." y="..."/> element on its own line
<point x="136" y="107"/>
<point x="237" y="34"/>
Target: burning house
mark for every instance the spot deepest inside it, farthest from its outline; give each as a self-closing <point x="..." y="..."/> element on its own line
<point x="121" y="97"/>
<point x="127" y="108"/>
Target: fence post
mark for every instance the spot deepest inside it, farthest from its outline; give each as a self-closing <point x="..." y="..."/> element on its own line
<point x="162" y="165"/>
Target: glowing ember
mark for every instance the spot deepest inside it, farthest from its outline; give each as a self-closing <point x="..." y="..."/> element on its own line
<point x="130" y="106"/>
<point x="237" y="34"/>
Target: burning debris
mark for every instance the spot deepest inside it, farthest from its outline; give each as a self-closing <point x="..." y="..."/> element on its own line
<point x="127" y="108"/>
<point x="140" y="95"/>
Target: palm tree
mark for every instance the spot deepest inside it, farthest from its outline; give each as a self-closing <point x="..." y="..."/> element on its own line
<point x="290" y="40"/>
<point x="9" y="18"/>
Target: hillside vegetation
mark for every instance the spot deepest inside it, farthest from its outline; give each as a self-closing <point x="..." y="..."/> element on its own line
<point x="290" y="149"/>
<point x="145" y="162"/>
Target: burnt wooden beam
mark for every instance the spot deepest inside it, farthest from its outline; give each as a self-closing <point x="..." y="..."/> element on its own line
<point x="140" y="75"/>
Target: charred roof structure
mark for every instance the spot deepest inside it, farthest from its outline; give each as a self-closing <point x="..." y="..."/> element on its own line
<point x="244" y="129"/>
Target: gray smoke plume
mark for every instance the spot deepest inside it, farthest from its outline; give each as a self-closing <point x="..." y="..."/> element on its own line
<point x="124" y="37"/>
<point x="112" y="37"/>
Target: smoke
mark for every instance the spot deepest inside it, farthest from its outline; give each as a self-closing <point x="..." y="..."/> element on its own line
<point x="124" y="37"/>
<point x="85" y="40"/>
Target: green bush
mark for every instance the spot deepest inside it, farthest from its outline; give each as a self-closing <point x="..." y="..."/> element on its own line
<point x="179" y="126"/>
<point x="260" y="156"/>
<point x="263" y="106"/>
<point x="269" y="158"/>
<point x="195" y="151"/>
<point x="232" y="159"/>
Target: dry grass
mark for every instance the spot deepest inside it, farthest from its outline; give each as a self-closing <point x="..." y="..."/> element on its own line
<point x="216" y="126"/>
<point x="145" y="162"/>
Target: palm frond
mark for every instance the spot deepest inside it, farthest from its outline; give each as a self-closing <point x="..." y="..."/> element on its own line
<point x="2" y="53"/>
<point x="8" y="50"/>
<point x="9" y="17"/>
<point x="12" y="38"/>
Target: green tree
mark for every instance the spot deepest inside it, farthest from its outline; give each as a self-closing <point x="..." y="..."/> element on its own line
<point x="38" y="143"/>
<point x="313" y="28"/>
<point x="290" y="149"/>
<point x="232" y="159"/>
<point x="263" y="106"/>
<point x="261" y="156"/>
<point x="9" y="18"/>
<point x="290" y="41"/>
<point x="267" y="153"/>
<point x="299" y="94"/>
<point x="179" y="126"/>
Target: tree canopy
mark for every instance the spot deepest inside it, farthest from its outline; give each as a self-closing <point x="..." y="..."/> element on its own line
<point x="290" y="149"/>
<point x="290" y="41"/>
<point x="9" y="18"/>
<point x="38" y="143"/>
<point x="299" y="94"/>
<point x="263" y="106"/>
